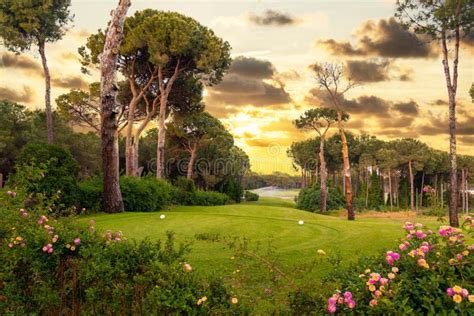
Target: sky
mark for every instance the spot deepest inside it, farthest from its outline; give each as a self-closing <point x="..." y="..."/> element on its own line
<point x="400" y="91"/>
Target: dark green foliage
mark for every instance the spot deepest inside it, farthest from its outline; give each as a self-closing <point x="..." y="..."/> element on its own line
<point x="95" y="273"/>
<point x="375" y="200"/>
<point x="144" y="194"/>
<point x="210" y="198"/>
<point x="309" y="199"/>
<point x="58" y="176"/>
<point x="404" y="197"/>
<point x="233" y="189"/>
<point x="139" y="194"/>
<point x="250" y="196"/>
<point x="89" y="195"/>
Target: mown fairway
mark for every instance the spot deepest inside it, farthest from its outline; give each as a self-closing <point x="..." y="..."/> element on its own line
<point x="268" y="220"/>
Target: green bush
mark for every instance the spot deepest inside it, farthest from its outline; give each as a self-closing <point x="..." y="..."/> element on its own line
<point x="46" y="170"/>
<point x="50" y="266"/>
<point x="89" y="195"/>
<point x="309" y="199"/>
<point x="144" y="194"/>
<point x="250" y="196"/>
<point x="210" y="198"/>
<point x="424" y="275"/>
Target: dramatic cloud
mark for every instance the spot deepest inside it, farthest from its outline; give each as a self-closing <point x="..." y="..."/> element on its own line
<point x="252" y="67"/>
<point x="271" y="17"/>
<point x="250" y="81"/>
<point x="368" y="71"/>
<point x="383" y="38"/>
<point x="21" y="62"/>
<point x="438" y="125"/>
<point x="410" y="108"/>
<point x="73" y="82"/>
<point x="24" y="96"/>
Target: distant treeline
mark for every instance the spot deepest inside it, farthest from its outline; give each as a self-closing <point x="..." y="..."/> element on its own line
<point x="253" y="180"/>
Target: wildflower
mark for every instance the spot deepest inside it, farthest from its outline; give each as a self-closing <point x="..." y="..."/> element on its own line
<point x="402" y="247"/>
<point x="234" y="300"/>
<point x="73" y="248"/>
<point x="68" y="246"/>
<point x="412" y="253"/>
<point x="408" y="226"/>
<point x="394" y="269"/>
<point x="10" y="245"/>
<point x="373" y="302"/>
<point x="422" y="263"/>
<point x="457" y="298"/>
<point x="331" y="309"/>
<point x="457" y="289"/>
<point x="383" y="281"/>
<point x="391" y="276"/>
<point x="465" y="253"/>
<point x="409" y="236"/>
<point x="471" y="298"/>
<point x="321" y="252"/>
<point x="351" y="304"/>
<point x="391" y="257"/>
<point x="450" y="291"/>
<point x="372" y="288"/>
<point x="459" y="257"/>
<point x="420" y="234"/>
<point x="55" y="238"/>
<point x="424" y="249"/>
<point x="187" y="267"/>
<point x="332" y="300"/>
<point x="377" y="293"/>
<point x="464" y="293"/>
<point x="77" y="241"/>
<point x="348" y="295"/>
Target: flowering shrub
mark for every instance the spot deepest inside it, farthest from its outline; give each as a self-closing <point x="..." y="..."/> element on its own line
<point x="429" y="273"/>
<point x="50" y="265"/>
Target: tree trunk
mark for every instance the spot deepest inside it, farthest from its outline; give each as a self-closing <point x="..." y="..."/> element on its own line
<point x="112" y="197"/>
<point x="422" y="186"/>
<point x="412" y="189"/>
<point x="324" y="175"/>
<point x="366" y="189"/>
<point x="452" y="87"/>
<point x="47" y="94"/>
<point x="390" y="189"/>
<point x="191" y="162"/>
<point x="160" y="150"/>
<point x="347" y="169"/>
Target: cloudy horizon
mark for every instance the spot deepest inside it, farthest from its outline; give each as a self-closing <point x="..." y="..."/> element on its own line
<point x="401" y="89"/>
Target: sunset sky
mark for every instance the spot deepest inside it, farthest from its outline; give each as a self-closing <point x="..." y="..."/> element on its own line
<point x="401" y="89"/>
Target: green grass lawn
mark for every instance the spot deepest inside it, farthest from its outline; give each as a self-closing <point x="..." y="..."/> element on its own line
<point x="269" y="220"/>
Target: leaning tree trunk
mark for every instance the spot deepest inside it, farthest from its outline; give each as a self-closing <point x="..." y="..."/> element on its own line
<point x="421" y="191"/>
<point x="192" y="159"/>
<point x="324" y="175"/>
<point x="347" y="169"/>
<point x="412" y="189"/>
<point x="47" y="94"/>
<point x="112" y="197"/>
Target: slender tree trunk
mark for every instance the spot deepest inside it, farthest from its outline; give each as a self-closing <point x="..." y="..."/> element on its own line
<point x="112" y="197"/>
<point x="47" y="94"/>
<point x="160" y="150"/>
<point x="421" y="191"/>
<point x="366" y="189"/>
<point x="452" y="87"/>
<point x="347" y="169"/>
<point x="324" y="175"/>
<point x="390" y="189"/>
<point x="412" y="189"/>
<point x="191" y="162"/>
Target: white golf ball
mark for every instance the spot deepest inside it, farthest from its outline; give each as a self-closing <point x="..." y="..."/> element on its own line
<point x="162" y="216"/>
<point x="300" y="222"/>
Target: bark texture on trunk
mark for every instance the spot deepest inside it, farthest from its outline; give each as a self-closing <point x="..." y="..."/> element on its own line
<point x="452" y="87"/>
<point x="347" y="169"/>
<point x="324" y="175"/>
<point x="160" y="150"/>
<point x="192" y="159"/>
<point x="47" y="94"/>
<point x="112" y="197"/>
<point x="412" y="189"/>
<point x="390" y="189"/>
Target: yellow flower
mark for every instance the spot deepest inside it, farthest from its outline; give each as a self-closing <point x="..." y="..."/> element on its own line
<point x="371" y="288"/>
<point x="471" y="298"/>
<point x="321" y="252"/>
<point x="457" y="298"/>
<point x="19" y="238"/>
<point x="382" y="288"/>
<point x="452" y="239"/>
<point x="465" y="253"/>
<point x="202" y="300"/>
<point x="68" y="246"/>
<point x="452" y="261"/>
<point x="391" y="276"/>
<point x="457" y="289"/>
<point x="234" y="300"/>
<point x="361" y="275"/>
<point x="367" y="271"/>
